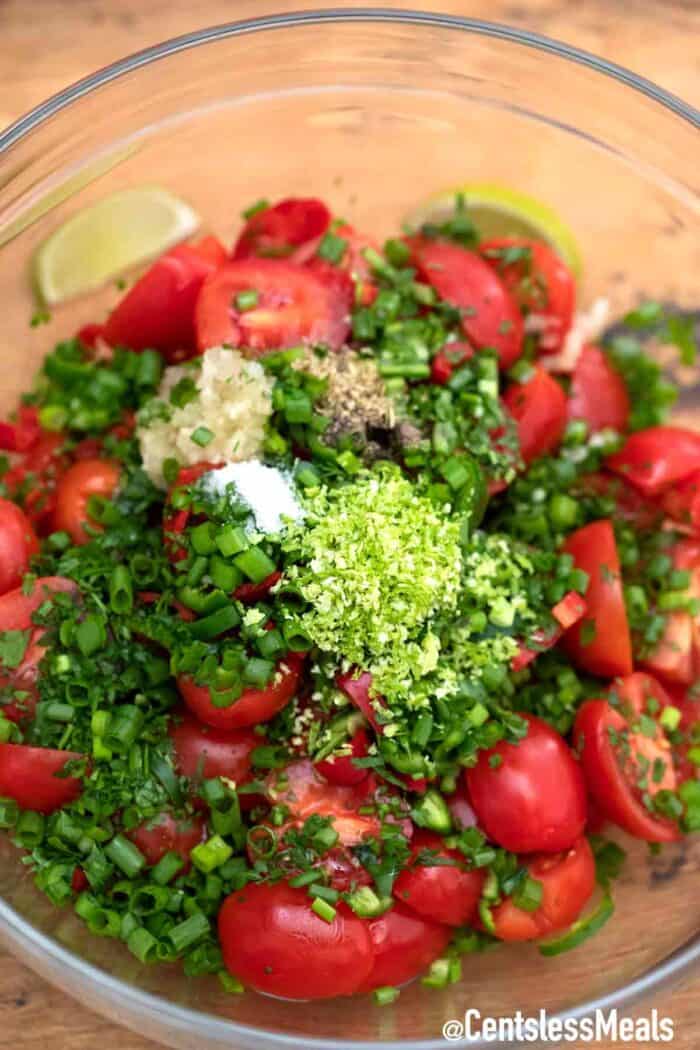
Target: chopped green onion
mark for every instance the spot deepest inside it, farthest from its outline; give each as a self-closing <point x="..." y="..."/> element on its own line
<point x="187" y="933"/>
<point x="255" y="564"/>
<point x="247" y="299"/>
<point x="431" y="811"/>
<point x="386" y="995"/>
<point x="211" y="854"/>
<point x="581" y="930"/>
<point x="323" y="909"/>
<point x="121" y="596"/>
<point x="202" y="436"/>
<point x="127" y="857"/>
<point x="167" y="868"/>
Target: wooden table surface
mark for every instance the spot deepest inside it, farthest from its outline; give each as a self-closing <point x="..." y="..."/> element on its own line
<point x="656" y="39"/>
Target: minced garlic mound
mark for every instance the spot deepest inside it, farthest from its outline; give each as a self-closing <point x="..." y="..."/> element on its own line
<point x="232" y="399"/>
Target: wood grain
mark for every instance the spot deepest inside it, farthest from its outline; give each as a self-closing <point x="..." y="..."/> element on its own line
<point x="651" y="38"/>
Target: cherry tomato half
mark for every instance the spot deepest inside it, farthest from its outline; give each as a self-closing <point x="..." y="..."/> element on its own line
<point x="613" y="754"/>
<point x="304" y="792"/>
<point x="273" y="942"/>
<point x="568" y="881"/>
<point x="534" y="799"/>
<point x="165" y="834"/>
<point x="655" y="459"/>
<point x="294" y="304"/>
<point x="158" y="311"/>
<point x="294" y="225"/>
<point x="598" y="393"/>
<point x="600" y="642"/>
<point x="86" y="478"/>
<point x="491" y="316"/>
<point x="404" y="945"/>
<point x="18" y="544"/>
<point x="540" y="282"/>
<point x="447" y="893"/>
<point x="539" y="408"/>
<point x="202" y="752"/>
<point x="252" y="706"/>
<point x="340" y="769"/>
<point x="30" y="775"/>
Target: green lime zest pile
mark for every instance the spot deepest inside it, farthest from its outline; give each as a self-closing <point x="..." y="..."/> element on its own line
<point x="376" y="561"/>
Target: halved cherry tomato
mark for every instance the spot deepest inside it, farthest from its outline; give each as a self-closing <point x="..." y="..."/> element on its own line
<point x="340" y="769"/>
<point x="452" y="356"/>
<point x="539" y="408"/>
<point x="357" y="687"/>
<point x="598" y="393"/>
<point x="568" y="881"/>
<point x="253" y="705"/>
<point x="17" y="607"/>
<point x="158" y="311"/>
<point x="674" y="656"/>
<point x="688" y="703"/>
<point x="630" y="505"/>
<point x="682" y="502"/>
<point x="86" y="478"/>
<point x="444" y="892"/>
<point x="19" y="690"/>
<point x="294" y="305"/>
<point x="23" y="434"/>
<point x="654" y="459"/>
<point x="18" y="545"/>
<point x="273" y="942"/>
<point x="304" y="792"/>
<point x="491" y="316"/>
<point x="613" y="755"/>
<point x="600" y="642"/>
<point x="201" y="752"/>
<point x="541" y="283"/>
<point x="292" y="226"/>
<point x="404" y="945"/>
<point x="31" y="776"/>
<point x="166" y="833"/>
<point x="534" y="799"/>
<point x="460" y="807"/>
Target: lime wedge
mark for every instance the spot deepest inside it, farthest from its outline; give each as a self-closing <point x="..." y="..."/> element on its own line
<point x="101" y="241"/>
<point x="500" y="211"/>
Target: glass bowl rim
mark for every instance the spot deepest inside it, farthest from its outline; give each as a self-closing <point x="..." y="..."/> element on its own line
<point x="18" y="931"/>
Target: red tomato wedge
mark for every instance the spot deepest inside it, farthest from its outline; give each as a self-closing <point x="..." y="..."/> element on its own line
<point x="655" y="459"/>
<point x="491" y="317"/>
<point x="539" y="408"/>
<point x="158" y="311"/>
<point x="202" y="752"/>
<point x="252" y="706"/>
<point x="534" y="799"/>
<point x="676" y="656"/>
<point x="598" y="393"/>
<point x="540" y="282"/>
<point x="404" y="945"/>
<point x="18" y="608"/>
<point x="305" y="792"/>
<point x="273" y="942"/>
<point x="600" y="642"/>
<point x="31" y="776"/>
<point x="358" y="688"/>
<point x="86" y="478"/>
<point x="165" y="834"/>
<point x="447" y="893"/>
<point x="23" y="434"/>
<point x="294" y="305"/>
<point x="682" y="502"/>
<point x="340" y="769"/>
<point x="568" y="881"/>
<point x="612" y="756"/>
<point x="292" y="226"/>
<point x="18" y="545"/>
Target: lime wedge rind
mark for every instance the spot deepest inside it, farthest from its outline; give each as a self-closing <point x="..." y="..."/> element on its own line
<point x="502" y="211"/>
<point x="106" y="238"/>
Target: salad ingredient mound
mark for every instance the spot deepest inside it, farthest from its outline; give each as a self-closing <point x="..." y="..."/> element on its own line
<point x="349" y="603"/>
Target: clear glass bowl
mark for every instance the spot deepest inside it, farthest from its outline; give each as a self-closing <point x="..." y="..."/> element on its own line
<point x="372" y="111"/>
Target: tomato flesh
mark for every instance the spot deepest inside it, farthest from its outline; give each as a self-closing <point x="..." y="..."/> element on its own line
<point x="340" y="769"/>
<point x="655" y="459"/>
<point x="598" y="394"/>
<point x="491" y="316"/>
<point x="294" y="305"/>
<point x="539" y="408"/>
<point x="609" y="753"/>
<point x="294" y="225"/>
<point x="202" y="752"/>
<point x="18" y="545"/>
<point x="252" y="706"/>
<point x="534" y="798"/>
<point x="599" y="643"/>
<point x="30" y="776"/>
<point x="168" y="834"/>
<point x="305" y="792"/>
<point x="273" y="942"/>
<point x="568" y="881"/>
